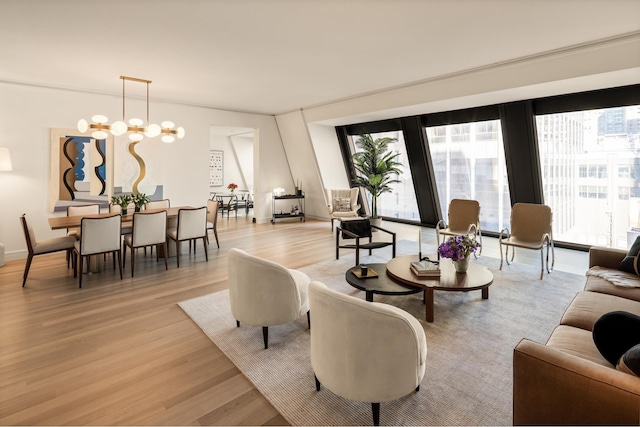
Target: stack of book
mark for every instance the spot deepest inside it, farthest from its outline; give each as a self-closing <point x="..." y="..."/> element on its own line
<point x="425" y="268"/>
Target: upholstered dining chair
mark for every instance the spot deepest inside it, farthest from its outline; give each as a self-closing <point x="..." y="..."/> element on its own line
<point x="212" y="219"/>
<point x="118" y="209"/>
<point x="148" y="229"/>
<point x="42" y="247"/>
<point x="158" y="204"/>
<point x="192" y="225"/>
<point x="342" y="204"/>
<point x="264" y="293"/>
<point x="464" y="219"/>
<point x="365" y="351"/>
<point x="357" y="230"/>
<point x="79" y="210"/>
<point x="531" y="228"/>
<point x="98" y="236"/>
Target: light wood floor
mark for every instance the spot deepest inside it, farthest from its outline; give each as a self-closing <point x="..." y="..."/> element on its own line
<point x="123" y="353"/>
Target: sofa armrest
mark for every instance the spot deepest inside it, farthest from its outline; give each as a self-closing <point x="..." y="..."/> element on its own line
<point x="606" y="257"/>
<point x="552" y="387"/>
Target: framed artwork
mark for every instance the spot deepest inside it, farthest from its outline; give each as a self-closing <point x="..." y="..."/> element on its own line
<point x="216" y="168"/>
<point x="81" y="169"/>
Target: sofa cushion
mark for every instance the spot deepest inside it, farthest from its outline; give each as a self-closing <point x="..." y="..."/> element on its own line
<point x="630" y="262"/>
<point x="587" y="307"/>
<point x="629" y="363"/>
<point x="599" y="284"/>
<point x="577" y="342"/>
<point x="615" y="333"/>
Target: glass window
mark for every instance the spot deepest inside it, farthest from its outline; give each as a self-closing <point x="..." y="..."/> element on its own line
<point x="401" y="202"/>
<point x="596" y="159"/>
<point x="468" y="162"/>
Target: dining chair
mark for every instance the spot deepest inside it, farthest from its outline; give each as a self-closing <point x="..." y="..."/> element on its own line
<point x="148" y="229"/>
<point x="36" y="247"/>
<point x="212" y="219"/>
<point x="113" y="208"/>
<point x="228" y="203"/>
<point x="531" y="228"/>
<point x="98" y="236"/>
<point x="464" y="219"/>
<point x="75" y="211"/>
<point x="191" y="226"/>
<point x="158" y="204"/>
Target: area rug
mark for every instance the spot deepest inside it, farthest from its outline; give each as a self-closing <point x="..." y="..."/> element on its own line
<point x="468" y="379"/>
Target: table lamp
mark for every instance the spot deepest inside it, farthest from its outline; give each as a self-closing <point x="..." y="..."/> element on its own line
<point x="5" y="166"/>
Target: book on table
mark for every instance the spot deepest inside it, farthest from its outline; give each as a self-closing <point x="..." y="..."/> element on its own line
<point x="425" y="268"/>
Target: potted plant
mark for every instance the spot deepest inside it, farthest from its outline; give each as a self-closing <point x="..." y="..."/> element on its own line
<point x="376" y="168"/>
<point x="139" y="200"/>
<point x="123" y="201"/>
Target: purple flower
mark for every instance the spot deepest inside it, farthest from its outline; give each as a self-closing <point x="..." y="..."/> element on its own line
<point x="458" y="247"/>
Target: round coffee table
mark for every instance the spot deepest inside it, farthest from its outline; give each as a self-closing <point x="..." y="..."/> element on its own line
<point x="382" y="285"/>
<point x="476" y="278"/>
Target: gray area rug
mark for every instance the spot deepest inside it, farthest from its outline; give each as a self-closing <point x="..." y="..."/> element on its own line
<point x="468" y="379"/>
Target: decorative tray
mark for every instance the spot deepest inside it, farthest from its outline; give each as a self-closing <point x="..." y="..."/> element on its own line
<point x="370" y="274"/>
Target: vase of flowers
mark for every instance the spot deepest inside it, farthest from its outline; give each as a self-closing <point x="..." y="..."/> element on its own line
<point x="232" y="187"/>
<point x="123" y="201"/>
<point x="139" y="200"/>
<point x="458" y="249"/>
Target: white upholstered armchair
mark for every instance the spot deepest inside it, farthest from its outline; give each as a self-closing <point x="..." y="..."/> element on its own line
<point x="264" y="293"/>
<point x="364" y="351"/>
<point x="342" y="204"/>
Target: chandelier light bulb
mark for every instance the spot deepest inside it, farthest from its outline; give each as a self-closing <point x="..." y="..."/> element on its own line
<point x="167" y="124"/>
<point x="168" y="138"/>
<point x="119" y="128"/>
<point x="135" y="122"/>
<point x="99" y="134"/>
<point x="180" y="132"/>
<point x="99" y="118"/>
<point x="136" y="137"/>
<point x="83" y="125"/>
<point x="153" y="130"/>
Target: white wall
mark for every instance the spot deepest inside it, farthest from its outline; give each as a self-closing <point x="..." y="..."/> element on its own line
<point x="231" y="169"/>
<point x="243" y="149"/>
<point x="329" y="156"/>
<point x="27" y="113"/>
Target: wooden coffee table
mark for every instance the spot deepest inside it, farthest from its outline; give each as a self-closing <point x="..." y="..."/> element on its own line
<point x="476" y="278"/>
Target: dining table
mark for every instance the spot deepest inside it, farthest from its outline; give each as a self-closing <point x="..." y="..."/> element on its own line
<point x="75" y="221"/>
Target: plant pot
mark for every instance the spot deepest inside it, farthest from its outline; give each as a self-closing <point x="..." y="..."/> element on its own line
<point x="461" y="265"/>
<point x="137" y="209"/>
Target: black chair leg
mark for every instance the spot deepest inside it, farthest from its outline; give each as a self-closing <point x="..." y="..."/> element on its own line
<point x="309" y="319"/>
<point x="418" y="388"/>
<point x="375" y="408"/>
<point x="26" y="269"/>
<point x="265" y="336"/>
<point x="317" y="383"/>
<point x="237" y="323"/>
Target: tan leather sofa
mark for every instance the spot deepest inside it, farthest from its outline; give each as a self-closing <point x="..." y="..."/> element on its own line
<point x="567" y="381"/>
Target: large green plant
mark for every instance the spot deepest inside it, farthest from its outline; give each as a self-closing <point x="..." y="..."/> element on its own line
<point x="376" y="167"/>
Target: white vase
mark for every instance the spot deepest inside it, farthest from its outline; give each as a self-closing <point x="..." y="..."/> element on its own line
<point x="461" y="265"/>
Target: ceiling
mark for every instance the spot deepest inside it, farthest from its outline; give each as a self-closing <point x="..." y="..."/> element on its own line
<point x="276" y="56"/>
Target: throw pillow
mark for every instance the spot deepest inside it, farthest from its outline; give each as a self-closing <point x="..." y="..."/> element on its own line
<point x="615" y="333"/>
<point x="629" y="363"/>
<point x="342" y="204"/>
<point x="630" y="262"/>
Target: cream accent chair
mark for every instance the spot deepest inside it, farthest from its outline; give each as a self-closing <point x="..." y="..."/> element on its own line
<point x="264" y="293"/>
<point x="149" y="229"/>
<point x="158" y="204"/>
<point x="98" y="236"/>
<point x="464" y="219"/>
<point x="192" y="225"/>
<point x="36" y="247"/>
<point x="333" y="199"/>
<point x="364" y="351"/>
<point x="531" y="226"/>
<point x="212" y="219"/>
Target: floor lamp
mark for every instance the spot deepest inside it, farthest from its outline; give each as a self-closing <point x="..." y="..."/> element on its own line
<point x="5" y="165"/>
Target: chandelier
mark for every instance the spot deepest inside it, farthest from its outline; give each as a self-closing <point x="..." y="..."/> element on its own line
<point x="137" y="131"/>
